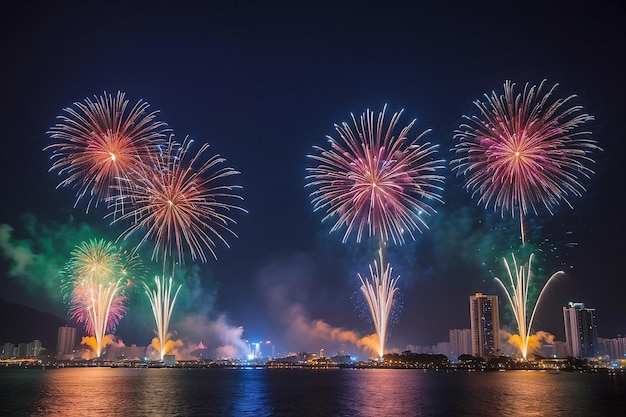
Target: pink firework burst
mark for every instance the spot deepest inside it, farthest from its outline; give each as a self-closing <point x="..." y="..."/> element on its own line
<point x="90" y="303"/>
<point x="182" y="206"/>
<point x="524" y="151"/>
<point x="374" y="182"/>
<point x="98" y="142"/>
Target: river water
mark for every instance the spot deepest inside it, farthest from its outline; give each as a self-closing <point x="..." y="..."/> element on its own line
<point x="305" y="392"/>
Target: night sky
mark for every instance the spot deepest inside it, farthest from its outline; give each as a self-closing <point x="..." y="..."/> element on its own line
<point x="262" y="85"/>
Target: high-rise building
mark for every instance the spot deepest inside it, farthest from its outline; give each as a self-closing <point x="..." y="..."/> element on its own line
<point x="33" y="349"/>
<point x="484" y="325"/>
<point x="614" y="348"/>
<point x="8" y="350"/>
<point x="460" y="343"/>
<point x="66" y="342"/>
<point x="22" y="350"/>
<point x="581" y="334"/>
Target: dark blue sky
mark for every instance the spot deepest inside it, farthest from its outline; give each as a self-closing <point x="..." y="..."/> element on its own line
<point x="264" y="84"/>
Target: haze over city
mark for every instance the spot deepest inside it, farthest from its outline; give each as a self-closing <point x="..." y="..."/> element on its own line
<point x="264" y="85"/>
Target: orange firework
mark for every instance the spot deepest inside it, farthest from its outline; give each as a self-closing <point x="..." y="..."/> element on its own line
<point x="181" y="207"/>
<point x="99" y="142"/>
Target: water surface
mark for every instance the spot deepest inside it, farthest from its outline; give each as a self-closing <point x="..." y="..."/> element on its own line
<point x="305" y="392"/>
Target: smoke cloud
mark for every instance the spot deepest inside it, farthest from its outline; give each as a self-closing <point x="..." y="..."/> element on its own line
<point x="284" y="283"/>
<point x="221" y="339"/>
<point x="35" y="258"/>
<point x="535" y="341"/>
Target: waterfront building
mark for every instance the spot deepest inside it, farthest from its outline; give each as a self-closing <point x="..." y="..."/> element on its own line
<point x="442" y="348"/>
<point x="614" y="348"/>
<point x="581" y="334"/>
<point x="8" y="351"/>
<point x="484" y="325"/>
<point x="556" y="349"/>
<point x="66" y="342"/>
<point x="342" y="359"/>
<point x="22" y="350"/>
<point x="33" y="349"/>
<point x="460" y="343"/>
<point x="132" y="352"/>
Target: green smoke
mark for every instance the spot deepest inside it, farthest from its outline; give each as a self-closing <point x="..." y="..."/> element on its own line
<point x="35" y="253"/>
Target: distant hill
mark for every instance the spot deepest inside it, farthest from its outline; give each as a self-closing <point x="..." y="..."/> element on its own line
<point x="24" y="324"/>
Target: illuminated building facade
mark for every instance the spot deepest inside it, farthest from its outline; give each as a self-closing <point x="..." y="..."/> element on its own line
<point x="66" y="342"/>
<point x="484" y="325"/>
<point x="581" y="334"/>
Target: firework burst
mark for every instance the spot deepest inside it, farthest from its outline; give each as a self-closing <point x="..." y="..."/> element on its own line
<point x="374" y="182"/>
<point x="524" y="151"/>
<point x="182" y="207"/>
<point x="93" y="282"/>
<point x="98" y="142"/>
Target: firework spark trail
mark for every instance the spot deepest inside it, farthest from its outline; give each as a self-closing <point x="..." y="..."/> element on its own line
<point x="88" y="299"/>
<point x="379" y="291"/>
<point x="182" y="207"/>
<point x="518" y="296"/>
<point x="526" y="151"/>
<point x="98" y="142"/>
<point x="162" y="304"/>
<point x="374" y="182"/>
<point x="93" y="284"/>
<point x="101" y="315"/>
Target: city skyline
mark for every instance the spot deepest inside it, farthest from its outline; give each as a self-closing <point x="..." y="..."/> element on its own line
<point x="478" y="341"/>
<point x="264" y="86"/>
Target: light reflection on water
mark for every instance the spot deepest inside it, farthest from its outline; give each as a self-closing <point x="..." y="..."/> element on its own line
<point x="150" y="392"/>
<point x="300" y="392"/>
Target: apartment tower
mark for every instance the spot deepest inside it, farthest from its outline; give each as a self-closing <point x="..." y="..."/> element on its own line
<point x="581" y="334"/>
<point x="484" y="325"/>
